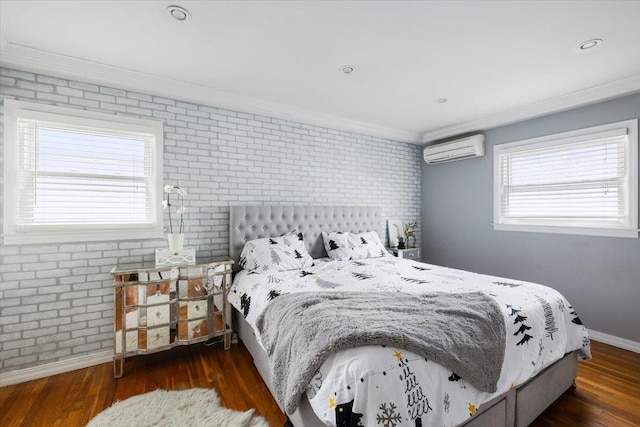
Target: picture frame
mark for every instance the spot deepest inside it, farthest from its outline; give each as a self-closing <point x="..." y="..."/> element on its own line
<point x="395" y="229"/>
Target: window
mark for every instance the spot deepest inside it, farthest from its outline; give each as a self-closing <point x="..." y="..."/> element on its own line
<point x="73" y="175"/>
<point x="579" y="182"/>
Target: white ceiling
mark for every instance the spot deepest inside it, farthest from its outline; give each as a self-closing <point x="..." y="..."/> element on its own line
<point x="495" y="62"/>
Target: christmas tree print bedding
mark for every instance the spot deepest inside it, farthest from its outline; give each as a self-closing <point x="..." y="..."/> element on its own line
<point x="381" y="386"/>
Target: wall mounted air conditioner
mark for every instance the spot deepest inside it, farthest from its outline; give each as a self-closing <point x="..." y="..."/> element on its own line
<point x="463" y="148"/>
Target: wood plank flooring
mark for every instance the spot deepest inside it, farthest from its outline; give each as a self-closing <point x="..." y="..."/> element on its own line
<point x="607" y="393"/>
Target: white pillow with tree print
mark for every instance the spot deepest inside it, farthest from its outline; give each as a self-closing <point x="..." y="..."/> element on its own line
<point x="342" y="246"/>
<point x="283" y="253"/>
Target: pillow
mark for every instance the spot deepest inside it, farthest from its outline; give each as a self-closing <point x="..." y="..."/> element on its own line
<point x="283" y="253"/>
<point x="343" y="245"/>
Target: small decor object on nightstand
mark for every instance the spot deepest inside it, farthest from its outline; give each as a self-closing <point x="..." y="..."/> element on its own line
<point x="168" y="257"/>
<point x="410" y="232"/>
<point x="401" y="242"/>
<point x="177" y="253"/>
<point x="394" y="228"/>
<point x="176" y="240"/>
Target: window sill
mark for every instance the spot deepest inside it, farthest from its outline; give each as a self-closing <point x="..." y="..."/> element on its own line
<point x="84" y="236"/>
<point x="603" y="232"/>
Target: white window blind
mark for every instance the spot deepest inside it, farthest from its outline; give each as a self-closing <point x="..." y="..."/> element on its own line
<point x="75" y="174"/>
<point x="586" y="181"/>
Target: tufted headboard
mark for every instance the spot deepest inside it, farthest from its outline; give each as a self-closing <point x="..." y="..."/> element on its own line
<point x="252" y="222"/>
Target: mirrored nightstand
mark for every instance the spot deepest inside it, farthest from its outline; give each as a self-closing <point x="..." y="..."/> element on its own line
<point x="160" y="307"/>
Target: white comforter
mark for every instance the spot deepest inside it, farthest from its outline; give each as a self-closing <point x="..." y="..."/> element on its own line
<point x="380" y="386"/>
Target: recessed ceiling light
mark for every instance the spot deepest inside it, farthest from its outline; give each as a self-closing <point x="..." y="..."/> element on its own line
<point x="589" y="44"/>
<point x="347" y="69"/>
<point x="440" y="100"/>
<point x="179" y="13"/>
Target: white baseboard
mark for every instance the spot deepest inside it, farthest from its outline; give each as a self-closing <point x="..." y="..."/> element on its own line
<point x="37" y="372"/>
<point x="614" y="341"/>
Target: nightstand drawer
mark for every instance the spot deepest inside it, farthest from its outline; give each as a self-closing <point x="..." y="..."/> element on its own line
<point x="149" y="339"/>
<point x="141" y="317"/>
<point x="150" y="293"/>
<point x="157" y="315"/>
<point x="193" y="329"/>
<point x="192" y="309"/>
<point x="411" y="253"/>
<point x="192" y="288"/>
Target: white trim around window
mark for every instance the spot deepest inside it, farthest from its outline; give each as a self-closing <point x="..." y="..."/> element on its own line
<point x="578" y="182"/>
<point x="76" y="176"/>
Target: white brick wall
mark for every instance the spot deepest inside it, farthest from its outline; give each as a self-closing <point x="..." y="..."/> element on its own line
<point x="56" y="300"/>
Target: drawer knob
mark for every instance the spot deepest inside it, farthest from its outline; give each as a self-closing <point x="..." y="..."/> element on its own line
<point x="197" y="308"/>
<point x="158" y="314"/>
<point x="157" y="336"/>
<point x="197" y="329"/>
<point x="198" y="288"/>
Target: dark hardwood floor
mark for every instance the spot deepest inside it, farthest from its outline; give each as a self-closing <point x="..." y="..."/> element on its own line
<point x="607" y="393"/>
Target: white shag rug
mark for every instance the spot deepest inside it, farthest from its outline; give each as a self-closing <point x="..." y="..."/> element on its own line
<point x="194" y="408"/>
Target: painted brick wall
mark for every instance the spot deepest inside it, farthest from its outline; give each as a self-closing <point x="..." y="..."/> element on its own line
<point x="56" y="300"/>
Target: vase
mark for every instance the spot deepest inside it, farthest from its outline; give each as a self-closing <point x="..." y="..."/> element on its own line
<point x="176" y="241"/>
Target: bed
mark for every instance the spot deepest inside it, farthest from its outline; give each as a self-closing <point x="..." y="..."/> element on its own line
<point x="516" y="402"/>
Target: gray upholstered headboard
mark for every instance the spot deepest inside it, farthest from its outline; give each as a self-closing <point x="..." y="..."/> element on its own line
<point x="252" y="222"/>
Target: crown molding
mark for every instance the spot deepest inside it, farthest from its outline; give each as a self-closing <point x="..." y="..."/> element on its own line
<point x="49" y="63"/>
<point x="591" y="95"/>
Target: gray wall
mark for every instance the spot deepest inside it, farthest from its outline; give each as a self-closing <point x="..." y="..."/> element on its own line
<point x="56" y="301"/>
<point x="600" y="276"/>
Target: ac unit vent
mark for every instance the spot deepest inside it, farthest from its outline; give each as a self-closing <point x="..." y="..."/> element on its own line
<point x="464" y="148"/>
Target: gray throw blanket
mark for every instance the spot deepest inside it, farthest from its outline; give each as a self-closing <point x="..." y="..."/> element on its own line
<point x="464" y="332"/>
